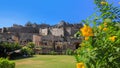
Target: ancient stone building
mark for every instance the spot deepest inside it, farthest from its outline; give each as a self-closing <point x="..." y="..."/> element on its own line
<point x="56" y="38"/>
<point x="15" y="38"/>
<point x="43" y="31"/>
<point x="37" y="40"/>
<point x="62" y="29"/>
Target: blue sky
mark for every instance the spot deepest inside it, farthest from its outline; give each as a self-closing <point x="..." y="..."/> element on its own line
<point x="44" y="11"/>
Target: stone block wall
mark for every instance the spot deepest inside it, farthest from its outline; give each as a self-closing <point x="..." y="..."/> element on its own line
<point x="37" y="40"/>
<point x="43" y="31"/>
<point x="57" y="31"/>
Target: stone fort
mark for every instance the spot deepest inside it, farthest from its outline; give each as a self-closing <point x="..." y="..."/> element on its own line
<point x="57" y="38"/>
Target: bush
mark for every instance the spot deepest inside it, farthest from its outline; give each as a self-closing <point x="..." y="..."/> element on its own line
<point x="53" y="53"/>
<point x="100" y="47"/>
<point x="31" y="45"/>
<point x="101" y="50"/>
<point x="69" y="52"/>
<point x="26" y="51"/>
<point x="6" y="48"/>
<point x="5" y="63"/>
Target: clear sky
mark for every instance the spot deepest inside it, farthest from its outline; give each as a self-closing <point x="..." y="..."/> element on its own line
<point x="44" y="11"/>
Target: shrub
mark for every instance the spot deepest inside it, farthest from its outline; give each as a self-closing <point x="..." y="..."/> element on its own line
<point x="100" y="47"/>
<point x="31" y="45"/>
<point x="53" y="53"/>
<point x="27" y="51"/>
<point x="7" y="47"/>
<point x="5" y="63"/>
<point x="69" y="52"/>
<point x="101" y="50"/>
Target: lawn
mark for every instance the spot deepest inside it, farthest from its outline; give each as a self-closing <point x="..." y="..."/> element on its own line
<point x="47" y="61"/>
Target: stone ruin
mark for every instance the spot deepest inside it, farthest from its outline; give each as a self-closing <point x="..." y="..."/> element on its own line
<point x="57" y="38"/>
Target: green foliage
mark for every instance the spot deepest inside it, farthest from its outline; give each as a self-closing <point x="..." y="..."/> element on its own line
<point x="103" y="49"/>
<point x="30" y="45"/>
<point x="69" y="52"/>
<point x="108" y="11"/>
<point x="5" y="63"/>
<point x="53" y="53"/>
<point x="10" y="46"/>
<point x="27" y="51"/>
<point x="7" y="48"/>
<point x="77" y="35"/>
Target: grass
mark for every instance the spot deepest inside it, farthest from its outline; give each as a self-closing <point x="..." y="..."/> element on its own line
<point x="47" y="61"/>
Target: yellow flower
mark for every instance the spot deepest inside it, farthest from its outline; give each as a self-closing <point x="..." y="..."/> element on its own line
<point x="100" y="27"/>
<point x="86" y="38"/>
<point x="105" y="29"/>
<point x="112" y="38"/>
<point x="105" y="24"/>
<point x="80" y="65"/>
<point x="86" y="31"/>
<point x="103" y="3"/>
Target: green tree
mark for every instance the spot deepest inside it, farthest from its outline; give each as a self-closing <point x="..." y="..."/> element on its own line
<point x="6" y="48"/>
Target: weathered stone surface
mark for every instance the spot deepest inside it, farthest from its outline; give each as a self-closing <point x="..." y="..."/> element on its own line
<point x="56" y="38"/>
